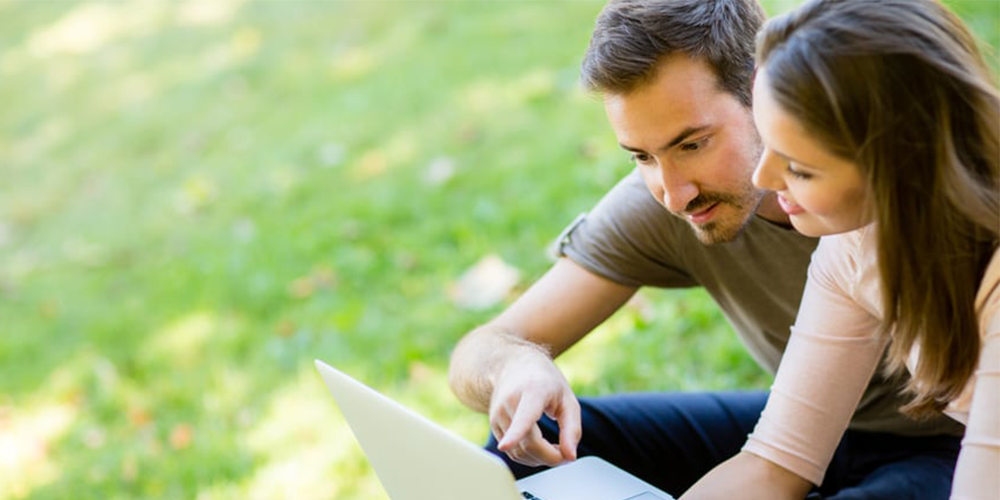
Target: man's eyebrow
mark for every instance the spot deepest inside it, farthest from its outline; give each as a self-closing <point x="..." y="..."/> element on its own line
<point x="679" y="138"/>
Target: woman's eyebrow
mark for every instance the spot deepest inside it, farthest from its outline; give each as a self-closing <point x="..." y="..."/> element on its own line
<point x="793" y="160"/>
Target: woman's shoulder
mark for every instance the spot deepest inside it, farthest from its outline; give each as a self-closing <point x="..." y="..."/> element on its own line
<point x="849" y="262"/>
<point x="988" y="308"/>
<point x="851" y="243"/>
<point x="847" y="254"/>
<point x="989" y="287"/>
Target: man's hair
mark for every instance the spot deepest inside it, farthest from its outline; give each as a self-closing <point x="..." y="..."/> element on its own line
<point x="632" y="36"/>
<point x="901" y="90"/>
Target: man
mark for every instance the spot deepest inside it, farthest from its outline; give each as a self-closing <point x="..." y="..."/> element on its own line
<point x="675" y="76"/>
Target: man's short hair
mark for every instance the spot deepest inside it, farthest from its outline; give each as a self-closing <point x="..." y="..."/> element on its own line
<point x="632" y="36"/>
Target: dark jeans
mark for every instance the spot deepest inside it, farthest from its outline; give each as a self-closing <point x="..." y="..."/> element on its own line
<point x="672" y="439"/>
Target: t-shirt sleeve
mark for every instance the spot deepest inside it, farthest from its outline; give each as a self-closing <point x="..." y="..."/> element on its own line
<point x="832" y="353"/>
<point x="628" y="238"/>
<point x="978" y="462"/>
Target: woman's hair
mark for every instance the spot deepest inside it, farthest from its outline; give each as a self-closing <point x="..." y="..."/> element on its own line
<point x="632" y="36"/>
<point x="900" y="89"/>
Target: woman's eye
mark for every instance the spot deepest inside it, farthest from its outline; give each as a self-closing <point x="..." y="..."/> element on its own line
<point x="798" y="174"/>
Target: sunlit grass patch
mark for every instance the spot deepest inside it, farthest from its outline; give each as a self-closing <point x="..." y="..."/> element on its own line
<point x="199" y="198"/>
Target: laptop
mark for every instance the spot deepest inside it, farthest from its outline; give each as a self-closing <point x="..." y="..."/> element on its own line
<point x="416" y="459"/>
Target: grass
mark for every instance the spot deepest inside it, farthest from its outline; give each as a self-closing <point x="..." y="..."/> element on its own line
<point x="199" y="198"/>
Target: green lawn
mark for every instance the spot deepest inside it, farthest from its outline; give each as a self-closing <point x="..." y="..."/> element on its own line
<point x="199" y="198"/>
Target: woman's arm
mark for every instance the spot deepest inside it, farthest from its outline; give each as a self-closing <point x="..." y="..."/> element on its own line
<point x="831" y="355"/>
<point x="749" y="477"/>
<point x="977" y="474"/>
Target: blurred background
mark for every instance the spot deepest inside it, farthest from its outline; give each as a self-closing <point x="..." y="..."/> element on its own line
<point x="198" y="198"/>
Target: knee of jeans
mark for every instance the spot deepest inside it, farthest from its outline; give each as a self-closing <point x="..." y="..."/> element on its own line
<point x="491" y="445"/>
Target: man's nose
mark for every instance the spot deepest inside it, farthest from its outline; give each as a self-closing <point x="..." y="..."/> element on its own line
<point x="767" y="175"/>
<point x="678" y="189"/>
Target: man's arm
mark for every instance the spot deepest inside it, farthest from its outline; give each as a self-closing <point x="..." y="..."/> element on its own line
<point x="504" y="368"/>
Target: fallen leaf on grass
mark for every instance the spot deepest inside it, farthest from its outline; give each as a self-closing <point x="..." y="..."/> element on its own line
<point x="139" y="417"/>
<point x="181" y="437"/>
<point x="439" y="171"/>
<point x="468" y="133"/>
<point x="94" y="437"/>
<point x="484" y="284"/>
<point x="49" y="309"/>
<point x="353" y="63"/>
<point x="195" y="194"/>
<point x="641" y="306"/>
<point x="420" y="372"/>
<point x="130" y="469"/>
<point x="320" y="278"/>
<point x="301" y="288"/>
<point x="332" y="154"/>
<point x="285" y="329"/>
<point x="372" y="164"/>
<point x="244" y="230"/>
<point x="246" y="42"/>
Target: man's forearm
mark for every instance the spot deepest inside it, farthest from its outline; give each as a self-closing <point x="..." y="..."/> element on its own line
<point x="480" y="357"/>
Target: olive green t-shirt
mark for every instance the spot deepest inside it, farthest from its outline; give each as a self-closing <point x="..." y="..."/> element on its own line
<point x="757" y="281"/>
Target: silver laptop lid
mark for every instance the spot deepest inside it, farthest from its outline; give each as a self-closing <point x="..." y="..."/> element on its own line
<point x="414" y="458"/>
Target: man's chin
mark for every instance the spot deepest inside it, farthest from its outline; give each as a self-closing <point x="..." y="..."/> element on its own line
<point x="728" y="225"/>
<point x="713" y="233"/>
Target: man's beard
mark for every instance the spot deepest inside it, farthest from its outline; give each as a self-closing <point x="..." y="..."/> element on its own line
<point x="725" y="230"/>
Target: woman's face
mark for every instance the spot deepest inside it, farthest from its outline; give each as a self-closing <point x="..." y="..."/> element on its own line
<point x="821" y="193"/>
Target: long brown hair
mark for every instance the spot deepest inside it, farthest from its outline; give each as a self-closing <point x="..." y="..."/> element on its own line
<point x="899" y="88"/>
<point x="632" y="36"/>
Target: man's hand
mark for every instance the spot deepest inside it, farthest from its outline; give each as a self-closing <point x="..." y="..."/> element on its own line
<point x="502" y="369"/>
<point x="526" y="388"/>
<point x="747" y="476"/>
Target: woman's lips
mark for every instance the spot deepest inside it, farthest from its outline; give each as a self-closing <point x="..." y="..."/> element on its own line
<point x="789" y="207"/>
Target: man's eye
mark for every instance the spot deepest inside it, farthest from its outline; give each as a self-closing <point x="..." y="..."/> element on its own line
<point x="694" y="146"/>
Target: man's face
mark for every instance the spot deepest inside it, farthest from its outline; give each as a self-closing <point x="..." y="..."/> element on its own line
<point x="695" y="146"/>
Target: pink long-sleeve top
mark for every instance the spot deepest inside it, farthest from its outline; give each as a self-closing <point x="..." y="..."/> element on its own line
<point x="834" y="349"/>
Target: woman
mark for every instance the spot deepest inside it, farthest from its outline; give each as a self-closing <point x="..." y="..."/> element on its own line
<point x="881" y="129"/>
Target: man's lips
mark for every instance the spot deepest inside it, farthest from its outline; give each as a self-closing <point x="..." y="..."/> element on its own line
<point x="789" y="207"/>
<point x="702" y="216"/>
